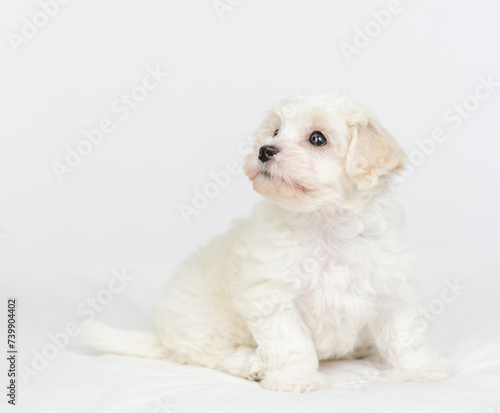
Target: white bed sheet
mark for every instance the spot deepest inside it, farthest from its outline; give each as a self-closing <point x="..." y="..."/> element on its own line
<point x="79" y="382"/>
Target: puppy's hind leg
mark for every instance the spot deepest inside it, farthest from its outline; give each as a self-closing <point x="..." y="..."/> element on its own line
<point x="245" y="363"/>
<point x="197" y="331"/>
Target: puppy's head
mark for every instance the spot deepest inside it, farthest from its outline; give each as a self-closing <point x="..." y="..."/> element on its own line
<point x="312" y="152"/>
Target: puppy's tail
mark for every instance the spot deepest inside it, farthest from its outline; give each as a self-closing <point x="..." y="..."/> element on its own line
<point x="129" y="343"/>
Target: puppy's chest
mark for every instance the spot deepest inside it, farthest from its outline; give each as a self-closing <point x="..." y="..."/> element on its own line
<point x="336" y="276"/>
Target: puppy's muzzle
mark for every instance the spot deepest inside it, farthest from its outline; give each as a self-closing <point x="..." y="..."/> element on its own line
<point x="266" y="152"/>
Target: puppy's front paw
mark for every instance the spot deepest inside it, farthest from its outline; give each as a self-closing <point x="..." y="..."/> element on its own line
<point x="294" y="382"/>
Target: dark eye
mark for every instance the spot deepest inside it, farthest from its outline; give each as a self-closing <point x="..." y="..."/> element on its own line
<point x="276" y="132"/>
<point x="317" y="139"/>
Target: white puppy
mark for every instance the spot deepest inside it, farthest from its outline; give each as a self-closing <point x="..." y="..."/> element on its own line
<point x="320" y="270"/>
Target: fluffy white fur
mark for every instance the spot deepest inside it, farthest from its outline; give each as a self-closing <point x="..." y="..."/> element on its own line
<point x="320" y="270"/>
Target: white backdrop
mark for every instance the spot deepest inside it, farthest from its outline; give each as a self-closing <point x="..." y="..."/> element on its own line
<point x="429" y="69"/>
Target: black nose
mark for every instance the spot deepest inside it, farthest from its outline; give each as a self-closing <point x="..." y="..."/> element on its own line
<point x="266" y="152"/>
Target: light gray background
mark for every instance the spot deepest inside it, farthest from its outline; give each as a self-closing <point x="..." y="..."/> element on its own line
<point x="120" y="207"/>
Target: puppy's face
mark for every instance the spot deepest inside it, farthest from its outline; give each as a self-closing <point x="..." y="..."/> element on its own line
<point x="312" y="152"/>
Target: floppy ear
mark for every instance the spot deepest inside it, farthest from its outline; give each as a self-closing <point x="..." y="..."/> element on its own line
<point x="372" y="153"/>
